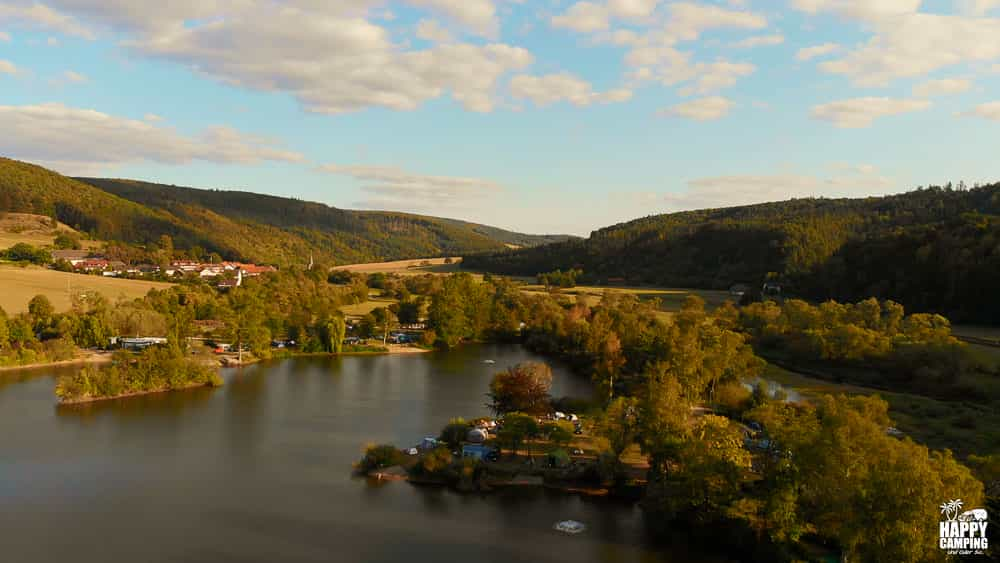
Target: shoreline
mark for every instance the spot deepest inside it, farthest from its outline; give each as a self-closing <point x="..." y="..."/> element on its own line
<point x="132" y="394"/>
<point x="88" y="359"/>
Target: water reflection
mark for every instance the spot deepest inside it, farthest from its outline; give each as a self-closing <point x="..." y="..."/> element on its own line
<point x="260" y="470"/>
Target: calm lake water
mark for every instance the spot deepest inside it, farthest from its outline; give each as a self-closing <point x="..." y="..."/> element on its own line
<point x="259" y="471"/>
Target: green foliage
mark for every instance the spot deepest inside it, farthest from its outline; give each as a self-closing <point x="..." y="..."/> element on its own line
<point x="67" y="241"/>
<point x="518" y="429"/>
<point x="833" y="469"/>
<point x="902" y="351"/>
<point x="559" y="278"/>
<point x="155" y="369"/>
<point x="23" y="252"/>
<point x="435" y="463"/>
<point x="379" y="457"/>
<point x="455" y="432"/>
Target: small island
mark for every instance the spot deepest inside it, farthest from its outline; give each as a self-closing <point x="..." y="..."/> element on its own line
<point x="155" y="370"/>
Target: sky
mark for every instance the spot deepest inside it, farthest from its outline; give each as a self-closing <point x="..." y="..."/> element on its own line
<point x="542" y="116"/>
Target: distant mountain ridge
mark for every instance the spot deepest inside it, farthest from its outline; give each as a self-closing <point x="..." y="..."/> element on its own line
<point x="242" y="225"/>
<point x="933" y="249"/>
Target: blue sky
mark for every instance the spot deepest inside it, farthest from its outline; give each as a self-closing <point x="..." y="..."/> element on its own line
<point x="550" y="116"/>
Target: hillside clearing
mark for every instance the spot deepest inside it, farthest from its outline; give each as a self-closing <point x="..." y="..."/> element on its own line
<point x="21" y="284"/>
<point x="36" y="230"/>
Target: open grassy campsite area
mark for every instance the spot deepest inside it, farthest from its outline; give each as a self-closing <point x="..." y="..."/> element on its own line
<point x="21" y="284"/>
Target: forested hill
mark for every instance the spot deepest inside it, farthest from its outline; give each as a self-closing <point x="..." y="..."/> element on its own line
<point x="240" y="225"/>
<point x="934" y="249"/>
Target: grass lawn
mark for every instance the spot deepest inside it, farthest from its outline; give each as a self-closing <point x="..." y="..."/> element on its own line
<point x="21" y="284"/>
<point x="361" y="309"/>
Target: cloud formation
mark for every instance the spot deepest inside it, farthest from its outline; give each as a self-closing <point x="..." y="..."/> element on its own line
<point x="551" y="88"/>
<point x="862" y="112"/>
<point x="704" y="109"/>
<point x="72" y="139"/>
<point x="942" y="87"/>
<point x="989" y="110"/>
<point x="390" y="187"/>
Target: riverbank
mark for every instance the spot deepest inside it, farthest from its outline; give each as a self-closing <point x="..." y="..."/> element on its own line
<point x="88" y="357"/>
<point x="86" y="400"/>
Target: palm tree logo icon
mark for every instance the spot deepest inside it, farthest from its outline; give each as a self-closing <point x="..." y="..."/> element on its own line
<point x="950" y="509"/>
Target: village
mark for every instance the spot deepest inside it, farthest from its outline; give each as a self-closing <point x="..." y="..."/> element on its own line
<point x="225" y="274"/>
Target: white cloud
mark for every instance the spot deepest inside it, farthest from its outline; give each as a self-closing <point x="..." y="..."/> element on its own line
<point x="809" y="53"/>
<point x="942" y="87"/>
<point x="152" y="117"/>
<point x="7" y="67"/>
<point x="71" y="139"/>
<point x="704" y="109"/>
<point x="333" y="63"/>
<point x="760" y="41"/>
<point x="584" y="17"/>
<point x="478" y="15"/>
<point x="551" y="88"/>
<point x="390" y="187"/>
<point x="862" y="112"/>
<point x="916" y="44"/>
<point x="4" y="36"/>
<point x="860" y="9"/>
<point x="588" y="17"/>
<point x="39" y="15"/>
<point x="990" y="110"/>
<point x="431" y="30"/>
<point x="688" y="20"/>
<point x="727" y="191"/>
<point x="75" y="77"/>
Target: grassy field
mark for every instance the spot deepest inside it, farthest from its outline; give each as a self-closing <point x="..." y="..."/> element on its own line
<point x="21" y="284"/>
<point x="361" y="309"/>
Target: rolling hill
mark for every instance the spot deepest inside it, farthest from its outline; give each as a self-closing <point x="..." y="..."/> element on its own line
<point x="241" y="225"/>
<point x="934" y="249"/>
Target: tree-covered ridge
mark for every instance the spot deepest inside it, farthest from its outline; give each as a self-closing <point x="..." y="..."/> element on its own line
<point x="933" y="249"/>
<point x="239" y="225"/>
<point x="379" y="234"/>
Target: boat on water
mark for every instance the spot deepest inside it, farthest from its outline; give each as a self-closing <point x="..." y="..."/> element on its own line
<point x="489" y="361"/>
<point x="570" y="527"/>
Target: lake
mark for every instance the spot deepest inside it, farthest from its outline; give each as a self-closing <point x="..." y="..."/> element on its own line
<point x="260" y="471"/>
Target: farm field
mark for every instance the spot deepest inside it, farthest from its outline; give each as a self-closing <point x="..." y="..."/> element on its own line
<point x="21" y="284"/>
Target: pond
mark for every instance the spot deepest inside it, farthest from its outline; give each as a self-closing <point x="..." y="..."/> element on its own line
<point x="259" y="470"/>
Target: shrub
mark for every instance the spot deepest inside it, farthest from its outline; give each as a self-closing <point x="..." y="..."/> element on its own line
<point x="380" y="456"/>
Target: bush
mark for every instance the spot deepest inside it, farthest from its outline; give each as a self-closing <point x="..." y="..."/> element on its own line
<point x="22" y="252"/>
<point x="380" y="456"/>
